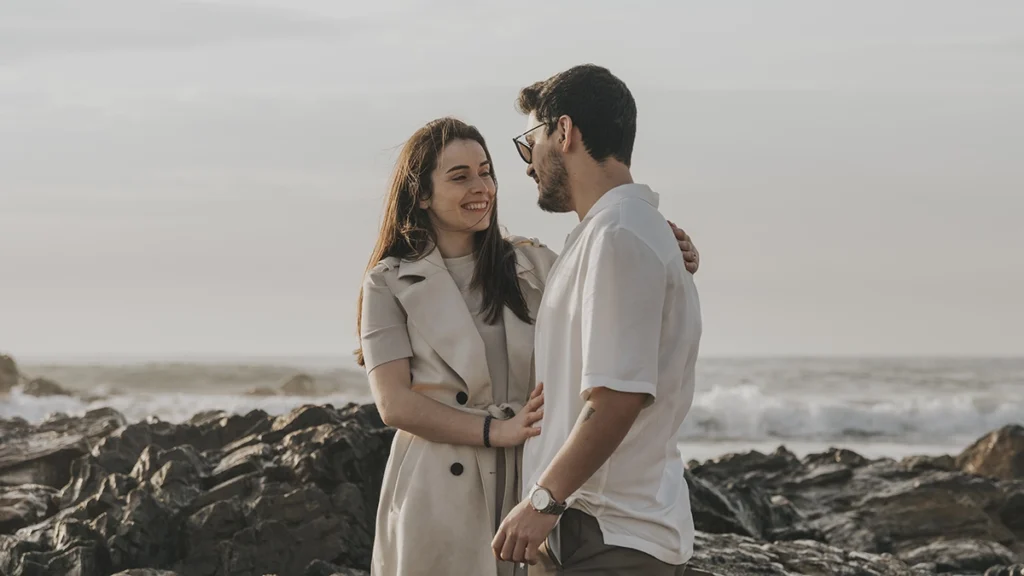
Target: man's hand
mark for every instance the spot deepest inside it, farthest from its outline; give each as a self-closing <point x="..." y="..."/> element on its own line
<point x="691" y="258"/>
<point x="521" y="533"/>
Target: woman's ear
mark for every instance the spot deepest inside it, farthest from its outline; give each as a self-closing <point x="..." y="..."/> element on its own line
<point x="422" y="201"/>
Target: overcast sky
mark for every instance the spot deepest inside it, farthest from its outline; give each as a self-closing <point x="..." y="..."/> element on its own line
<point x="206" y="177"/>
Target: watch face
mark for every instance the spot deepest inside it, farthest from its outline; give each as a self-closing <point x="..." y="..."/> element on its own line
<point x="540" y="499"/>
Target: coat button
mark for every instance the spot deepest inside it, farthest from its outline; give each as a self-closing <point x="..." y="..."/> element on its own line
<point x="456" y="469"/>
<point x="462" y="398"/>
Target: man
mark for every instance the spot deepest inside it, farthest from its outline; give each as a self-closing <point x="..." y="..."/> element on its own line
<point x="616" y="342"/>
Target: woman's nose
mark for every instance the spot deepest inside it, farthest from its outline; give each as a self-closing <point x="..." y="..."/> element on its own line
<point x="483" y="186"/>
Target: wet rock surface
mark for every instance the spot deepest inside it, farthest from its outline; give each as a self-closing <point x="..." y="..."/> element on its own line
<point x="219" y="495"/>
<point x="296" y="495"/>
<point x="921" y="515"/>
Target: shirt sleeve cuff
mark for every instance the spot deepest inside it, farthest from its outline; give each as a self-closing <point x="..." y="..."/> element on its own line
<point x="591" y="381"/>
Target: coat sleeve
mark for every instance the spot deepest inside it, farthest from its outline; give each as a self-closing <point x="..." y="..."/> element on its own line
<point x="384" y="331"/>
<point x="540" y="258"/>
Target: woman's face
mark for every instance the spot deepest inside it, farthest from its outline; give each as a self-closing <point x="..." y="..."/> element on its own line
<point x="464" y="190"/>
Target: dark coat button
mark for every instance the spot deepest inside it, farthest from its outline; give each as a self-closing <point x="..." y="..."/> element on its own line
<point x="462" y="397"/>
<point x="457" y="469"/>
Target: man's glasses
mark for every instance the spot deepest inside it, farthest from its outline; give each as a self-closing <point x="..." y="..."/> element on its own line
<point x="524" y="148"/>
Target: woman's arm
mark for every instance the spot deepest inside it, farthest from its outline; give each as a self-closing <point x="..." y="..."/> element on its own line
<point x="691" y="257"/>
<point x="403" y="408"/>
<point x="384" y="341"/>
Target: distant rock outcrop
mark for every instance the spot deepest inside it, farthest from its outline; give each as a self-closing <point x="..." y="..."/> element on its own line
<point x="9" y="375"/>
<point x="298" y="385"/>
<point x="44" y="387"/>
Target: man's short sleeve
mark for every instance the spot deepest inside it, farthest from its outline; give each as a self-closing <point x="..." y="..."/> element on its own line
<point x="384" y="332"/>
<point x="623" y="299"/>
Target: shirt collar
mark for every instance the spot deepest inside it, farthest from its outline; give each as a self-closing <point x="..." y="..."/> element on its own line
<point x="613" y="196"/>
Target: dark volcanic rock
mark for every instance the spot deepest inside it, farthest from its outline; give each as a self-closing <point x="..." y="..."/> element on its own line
<point x="43" y="454"/>
<point x="960" y="556"/>
<point x="944" y="463"/>
<point x="1014" y="570"/>
<point x="218" y="495"/>
<point x="910" y="513"/>
<point x="732" y="555"/>
<point x="999" y="454"/>
<point x="1012" y="511"/>
<point x="152" y="459"/>
<point x="870" y="506"/>
<point x="296" y="495"/>
<point x="321" y="568"/>
<point x="23" y="505"/>
<point x="741" y="508"/>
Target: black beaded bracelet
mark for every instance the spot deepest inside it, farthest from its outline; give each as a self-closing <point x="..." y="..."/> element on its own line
<point x="487" y="430"/>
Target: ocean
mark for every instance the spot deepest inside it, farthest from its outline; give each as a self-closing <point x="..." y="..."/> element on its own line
<point x="877" y="407"/>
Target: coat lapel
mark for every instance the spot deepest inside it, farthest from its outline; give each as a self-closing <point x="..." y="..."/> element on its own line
<point x="519" y="344"/>
<point x="438" y="312"/>
<point x="519" y="334"/>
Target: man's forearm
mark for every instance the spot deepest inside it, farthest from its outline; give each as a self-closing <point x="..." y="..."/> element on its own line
<point x="606" y="419"/>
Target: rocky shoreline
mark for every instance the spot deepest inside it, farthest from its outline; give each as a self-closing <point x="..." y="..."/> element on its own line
<point x="295" y="495"/>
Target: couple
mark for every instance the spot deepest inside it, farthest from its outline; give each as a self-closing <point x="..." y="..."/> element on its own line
<point x="565" y="458"/>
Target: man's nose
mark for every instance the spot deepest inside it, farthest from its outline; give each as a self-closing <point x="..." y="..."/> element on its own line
<point x="530" y="171"/>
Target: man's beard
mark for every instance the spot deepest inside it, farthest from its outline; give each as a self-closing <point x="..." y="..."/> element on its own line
<point x="554" y="187"/>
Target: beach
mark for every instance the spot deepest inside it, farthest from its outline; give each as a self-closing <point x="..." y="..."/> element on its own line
<point x="794" y="467"/>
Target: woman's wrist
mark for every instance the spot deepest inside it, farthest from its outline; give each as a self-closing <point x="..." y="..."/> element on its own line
<point x="497" y="433"/>
<point x="488" y="421"/>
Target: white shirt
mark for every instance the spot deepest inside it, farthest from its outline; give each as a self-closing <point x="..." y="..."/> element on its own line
<point x="620" y="311"/>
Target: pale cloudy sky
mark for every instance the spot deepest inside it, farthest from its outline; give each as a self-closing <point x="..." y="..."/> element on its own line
<point x="205" y="177"/>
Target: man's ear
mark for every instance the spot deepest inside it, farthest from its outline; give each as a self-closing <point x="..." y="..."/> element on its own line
<point x="566" y="137"/>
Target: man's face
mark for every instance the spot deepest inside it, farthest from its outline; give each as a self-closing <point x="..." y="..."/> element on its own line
<point x="548" y="168"/>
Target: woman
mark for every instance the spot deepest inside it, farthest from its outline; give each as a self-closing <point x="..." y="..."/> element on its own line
<point x="446" y="338"/>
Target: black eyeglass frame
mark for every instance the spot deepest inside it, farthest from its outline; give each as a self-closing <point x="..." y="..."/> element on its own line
<point x="524" y="148"/>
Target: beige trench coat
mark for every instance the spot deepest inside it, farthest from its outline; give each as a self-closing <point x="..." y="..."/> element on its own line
<point x="437" y="507"/>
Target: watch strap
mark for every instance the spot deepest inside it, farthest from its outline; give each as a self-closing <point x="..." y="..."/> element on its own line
<point x="554" y="507"/>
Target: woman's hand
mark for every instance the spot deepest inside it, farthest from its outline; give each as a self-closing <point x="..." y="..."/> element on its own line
<point x="691" y="258"/>
<point x="516" y="430"/>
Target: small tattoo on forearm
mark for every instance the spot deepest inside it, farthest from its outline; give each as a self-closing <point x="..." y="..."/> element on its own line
<point x="588" y="413"/>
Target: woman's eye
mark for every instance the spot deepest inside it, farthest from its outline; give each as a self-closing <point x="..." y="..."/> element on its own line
<point x="485" y="175"/>
<point x="459" y="178"/>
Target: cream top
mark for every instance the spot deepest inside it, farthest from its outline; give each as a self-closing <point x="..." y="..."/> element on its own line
<point x="493" y="335"/>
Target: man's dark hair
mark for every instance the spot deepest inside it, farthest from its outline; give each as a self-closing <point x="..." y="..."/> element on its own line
<point x="599" y="104"/>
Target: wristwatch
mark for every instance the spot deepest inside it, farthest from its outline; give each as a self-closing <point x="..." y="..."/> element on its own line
<point x="543" y="502"/>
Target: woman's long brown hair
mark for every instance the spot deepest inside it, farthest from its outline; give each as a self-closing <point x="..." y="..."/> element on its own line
<point x="407" y="233"/>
